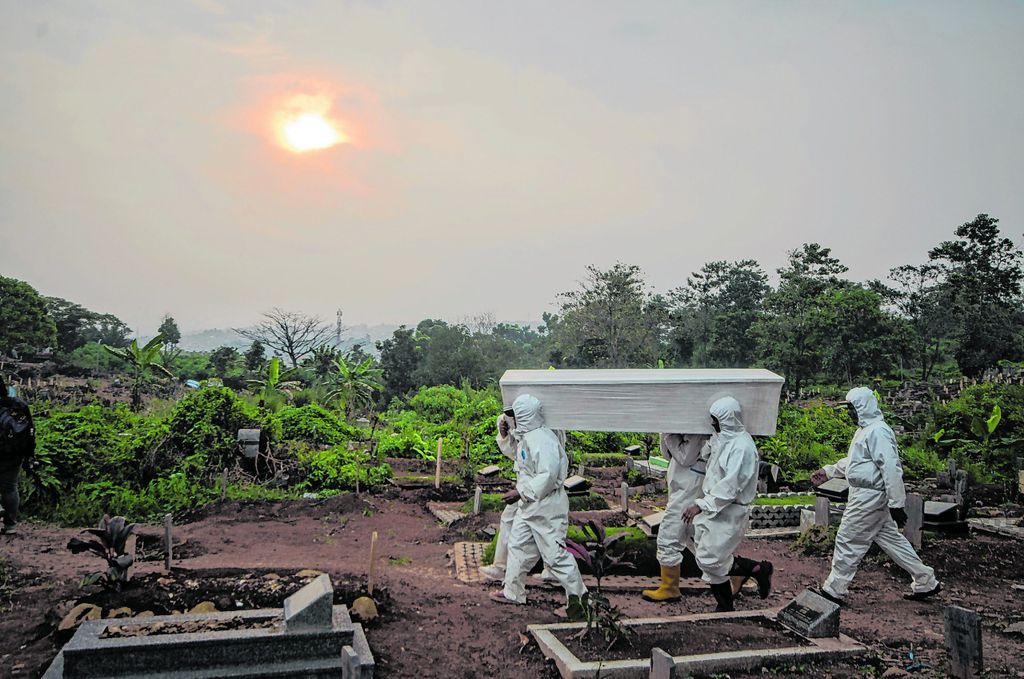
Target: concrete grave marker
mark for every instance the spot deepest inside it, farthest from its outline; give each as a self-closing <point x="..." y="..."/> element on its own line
<point x="311" y="607"/>
<point x="811" y="615"/>
<point x="821" y="511"/>
<point x="663" y="665"/>
<point x="576" y="485"/>
<point x="624" y="491"/>
<point x="915" y="520"/>
<point x="963" y="642"/>
<point x="490" y="470"/>
<point x="477" y="498"/>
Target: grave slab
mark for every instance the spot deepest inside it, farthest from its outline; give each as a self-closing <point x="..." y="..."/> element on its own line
<point x="311" y="607"/>
<point x="837" y="490"/>
<point x="963" y="642"/>
<point x="811" y="615"/>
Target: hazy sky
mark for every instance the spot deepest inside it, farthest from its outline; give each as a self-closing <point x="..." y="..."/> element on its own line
<point x="493" y="149"/>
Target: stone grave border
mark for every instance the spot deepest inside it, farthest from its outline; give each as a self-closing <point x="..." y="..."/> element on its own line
<point x="571" y="667"/>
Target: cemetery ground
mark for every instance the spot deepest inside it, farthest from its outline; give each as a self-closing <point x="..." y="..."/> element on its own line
<point x="254" y="554"/>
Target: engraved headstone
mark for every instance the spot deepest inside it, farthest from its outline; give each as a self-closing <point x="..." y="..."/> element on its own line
<point x="811" y="615"/>
<point x="963" y="642"/>
<point x="311" y="607"/>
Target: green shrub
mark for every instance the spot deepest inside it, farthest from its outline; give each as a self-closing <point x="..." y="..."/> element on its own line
<point x="603" y="459"/>
<point x="601" y="442"/>
<point x="207" y="421"/>
<point x="489" y="502"/>
<point x="807" y="439"/>
<point x="920" y="462"/>
<point x="314" y="425"/>
<point x="961" y="430"/>
<point x="335" y="469"/>
<point x="585" y="503"/>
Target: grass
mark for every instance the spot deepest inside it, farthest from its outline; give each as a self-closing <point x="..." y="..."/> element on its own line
<point x="794" y="500"/>
<point x="399" y="561"/>
<point x="603" y="459"/>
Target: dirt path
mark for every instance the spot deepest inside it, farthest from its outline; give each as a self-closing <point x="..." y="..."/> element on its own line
<point x="434" y="626"/>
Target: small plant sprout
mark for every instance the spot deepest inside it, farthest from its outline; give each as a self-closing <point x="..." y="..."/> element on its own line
<point x="108" y="542"/>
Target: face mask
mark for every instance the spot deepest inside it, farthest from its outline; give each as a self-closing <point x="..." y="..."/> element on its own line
<point x="715" y="424"/>
<point x="852" y="412"/>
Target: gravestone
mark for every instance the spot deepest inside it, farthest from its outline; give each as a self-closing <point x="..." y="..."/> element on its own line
<point x="821" y="511"/>
<point x="963" y="642"/>
<point x="311" y="607"/>
<point x="837" y="490"/>
<point x="811" y="615"/>
<point x="915" y="520"/>
<point x="477" y="498"/>
<point x="624" y="492"/>
<point x="960" y="492"/>
<point x="651" y="523"/>
<point x="576" y="485"/>
<point x="663" y="666"/>
<point x="490" y="470"/>
<point x="634" y="451"/>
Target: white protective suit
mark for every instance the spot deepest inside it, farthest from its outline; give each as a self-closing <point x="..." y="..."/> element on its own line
<point x="730" y="485"/>
<point x="507" y="446"/>
<point x="873" y="470"/>
<point x="540" y="525"/>
<point x="687" y="456"/>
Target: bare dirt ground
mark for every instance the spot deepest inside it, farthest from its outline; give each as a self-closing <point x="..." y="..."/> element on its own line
<point x="431" y="624"/>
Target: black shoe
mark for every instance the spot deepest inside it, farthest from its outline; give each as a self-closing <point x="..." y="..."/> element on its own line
<point x="922" y="596"/>
<point x="723" y="597"/>
<point x="820" y="591"/>
<point x="764" y="578"/>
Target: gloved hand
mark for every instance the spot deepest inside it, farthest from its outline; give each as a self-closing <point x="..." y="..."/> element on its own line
<point x="819" y="477"/>
<point x="510" y="497"/>
<point x="899" y="515"/>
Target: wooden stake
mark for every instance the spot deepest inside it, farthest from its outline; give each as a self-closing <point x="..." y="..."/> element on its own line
<point x="437" y="474"/>
<point x="224" y="485"/>
<point x="168" y="528"/>
<point x="371" y="578"/>
<point x="477" y="497"/>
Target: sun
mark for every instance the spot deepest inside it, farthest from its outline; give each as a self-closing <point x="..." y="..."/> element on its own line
<point x="309" y="131"/>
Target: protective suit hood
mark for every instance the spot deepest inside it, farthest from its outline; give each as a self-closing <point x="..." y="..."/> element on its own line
<point x="528" y="415"/>
<point x="866" y="405"/>
<point x="728" y="411"/>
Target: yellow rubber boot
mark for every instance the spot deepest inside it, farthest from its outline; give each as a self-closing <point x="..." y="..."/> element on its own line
<point x="669" y="588"/>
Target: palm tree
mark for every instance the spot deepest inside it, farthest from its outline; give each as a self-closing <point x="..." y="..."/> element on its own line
<point x="353" y="384"/>
<point x="273" y="383"/>
<point x="141" y="361"/>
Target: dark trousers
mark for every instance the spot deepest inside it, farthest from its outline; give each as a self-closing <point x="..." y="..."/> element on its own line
<point x="9" y="495"/>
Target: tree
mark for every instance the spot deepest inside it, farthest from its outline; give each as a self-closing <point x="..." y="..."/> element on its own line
<point x="861" y="336"/>
<point x="448" y="355"/>
<point x="712" y="315"/>
<point x="72" y="321"/>
<point x="110" y="330"/>
<point x="792" y="331"/>
<point x="293" y="334"/>
<point x="612" y="321"/>
<point x="254" y="356"/>
<point x="353" y="385"/>
<point x="982" y="277"/>
<point x="323" y="361"/>
<point x="169" y="352"/>
<point x="922" y="302"/>
<point x="141" y="362"/>
<point x="223" y="359"/>
<point x="25" y="324"/>
<point x="400" y="357"/>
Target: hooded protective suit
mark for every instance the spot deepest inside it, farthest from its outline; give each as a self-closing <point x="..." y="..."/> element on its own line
<point x="873" y="470"/>
<point x="687" y="457"/>
<point x="730" y="485"/>
<point x="507" y="445"/>
<point x="540" y="524"/>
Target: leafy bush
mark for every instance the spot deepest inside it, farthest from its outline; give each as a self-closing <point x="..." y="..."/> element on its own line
<point x="336" y="468"/>
<point x="968" y="429"/>
<point x="207" y="422"/>
<point x="808" y="438"/>
<point x="314" y="425"/>
<point x="601" y="442"/>
<point x="585" y="503"/>
<point x="920" y="462"/>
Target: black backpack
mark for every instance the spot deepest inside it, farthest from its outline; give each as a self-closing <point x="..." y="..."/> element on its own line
<point x="17" y="433"/>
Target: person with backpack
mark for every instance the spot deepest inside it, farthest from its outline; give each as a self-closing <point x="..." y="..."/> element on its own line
<point x="17" y="446"/>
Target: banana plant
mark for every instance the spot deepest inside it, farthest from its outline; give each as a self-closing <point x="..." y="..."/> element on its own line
<point x="141" y="361"/>
<point x="108" y="541"/>
<point x="353" y="384"/>
<point x="274" y="383"/>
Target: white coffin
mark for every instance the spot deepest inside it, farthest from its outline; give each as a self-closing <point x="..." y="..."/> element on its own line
<point x="646" y="400"/>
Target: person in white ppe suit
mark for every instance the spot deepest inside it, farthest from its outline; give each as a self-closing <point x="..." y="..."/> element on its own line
<point x="539" y="527"/>
<point x="508" y="445"/>
<point x="685" y="482"/>
<point x="720" y="517"/>
<point x="875" y="507"/>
